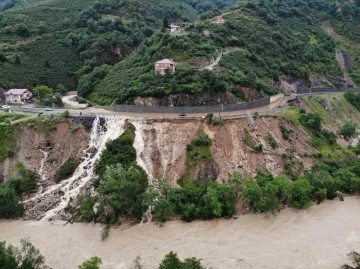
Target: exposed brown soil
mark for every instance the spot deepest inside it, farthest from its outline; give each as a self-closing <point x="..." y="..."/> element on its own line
<point x="164" y="150"/>
<point x="47" y="154"/>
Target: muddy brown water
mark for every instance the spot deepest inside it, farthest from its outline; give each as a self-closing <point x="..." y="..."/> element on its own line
<point x="318" y="237"/>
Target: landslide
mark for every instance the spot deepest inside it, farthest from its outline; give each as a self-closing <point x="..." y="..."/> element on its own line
<point x="165" y="147"/>
<point x="44" y="148"/>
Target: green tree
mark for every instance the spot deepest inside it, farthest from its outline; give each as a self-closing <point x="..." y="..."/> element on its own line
<point x="86" y="208"/>
<point x="355" y="259"/>
<point x="300" y="193"/>
<point x="62" y="89"/>
<point x="349" y="130"/>
<point x="166" y="23"/>
<point x="7" y="257"/>
<point x="17" y="60"/>
<point x="92" y="263"/>
<point x="122" y="191"/>
<point x="171" y="261"/>
<point x="9" y="203"/>
<point x="42" y="92"/>
<point x="23" y="31"/>
<point x="2" y="57"/>
<point x="163" y="210"/>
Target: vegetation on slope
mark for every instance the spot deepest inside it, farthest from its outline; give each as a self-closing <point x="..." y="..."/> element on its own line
<point x="263" y="50"/>
<point x="62" y="30"/>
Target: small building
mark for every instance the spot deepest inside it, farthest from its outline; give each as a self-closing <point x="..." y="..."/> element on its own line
<point x="166" y="64"/>
<point x="17" y="95"/>
<point x="218" y="20"/>
<point x="174" y="28"/>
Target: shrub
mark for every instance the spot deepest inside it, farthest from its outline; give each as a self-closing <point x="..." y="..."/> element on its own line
<point x="66" y="170"/>
<point x="272" y="141"/>
<point x="163" y="210"/>
<point x="285" y="132"/>
<point x="92" y="263"/>
<point x="86" y="208"/>
<point x="349" y="130"/>
<point x="258" y="147"/>
<point x="10" y="206"/>
<point x="118" y="151"/>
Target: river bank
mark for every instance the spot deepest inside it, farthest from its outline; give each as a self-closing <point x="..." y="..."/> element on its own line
<point x="318" y="237"/>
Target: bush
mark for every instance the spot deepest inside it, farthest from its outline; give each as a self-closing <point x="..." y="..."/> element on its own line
<point x="66" y="170"/>
<point x="121" y="190"/>
<point x="258" y="147"/>
<point x="285" y="132"/>
<point x="171" y="261"/>
<point x="10" y="206"/>
<point x="163" y="210"/>
<point x="349" y="130"/>
<point x="272" y="141"/>
<point x="86" y="208"/>
<point x="118" y="151"/>
<point x="92" y="263"/>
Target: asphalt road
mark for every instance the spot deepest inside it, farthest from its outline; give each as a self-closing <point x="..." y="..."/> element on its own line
<point x="93" y="111"/>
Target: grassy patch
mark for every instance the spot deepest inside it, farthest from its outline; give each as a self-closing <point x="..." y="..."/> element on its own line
<point x="7" y="141"/>
<point x="318" y="109"/>
<point x="292" y="114"/>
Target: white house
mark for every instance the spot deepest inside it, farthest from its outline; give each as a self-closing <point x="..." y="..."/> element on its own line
<point x="17" y="95"/>
<point x="174" y="28"/>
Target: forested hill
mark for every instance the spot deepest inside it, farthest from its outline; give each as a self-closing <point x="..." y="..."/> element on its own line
<point x="47" y="42"/>
<point x="107" y="49"/>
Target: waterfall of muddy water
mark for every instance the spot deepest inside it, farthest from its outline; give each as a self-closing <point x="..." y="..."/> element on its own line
<point x="42" y="165"/>
<point x="143" y="157"/>
<point x="58" y="197"/>
<point x="315" y="238"/>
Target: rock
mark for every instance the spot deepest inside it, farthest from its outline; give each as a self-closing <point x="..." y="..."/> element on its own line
<point x="91" y="150"/>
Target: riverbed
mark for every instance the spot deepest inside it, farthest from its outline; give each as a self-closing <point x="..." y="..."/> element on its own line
<point x="318" y="237"/>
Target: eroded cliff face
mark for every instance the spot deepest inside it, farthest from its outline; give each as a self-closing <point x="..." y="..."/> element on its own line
<point x="45" y="154"/>
<point x="161" y="147"/>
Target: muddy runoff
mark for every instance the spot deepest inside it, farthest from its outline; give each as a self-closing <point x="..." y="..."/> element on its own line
<point x="318" y="237"/>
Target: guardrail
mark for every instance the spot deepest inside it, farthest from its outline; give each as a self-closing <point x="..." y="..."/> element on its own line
<point x="192" y="109"/>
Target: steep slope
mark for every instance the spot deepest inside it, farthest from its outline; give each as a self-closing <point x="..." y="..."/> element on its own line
<point x="99" y="32"/>
<point x="260" y="46"/>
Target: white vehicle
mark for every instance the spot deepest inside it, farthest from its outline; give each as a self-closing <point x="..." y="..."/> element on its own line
<point x="48" y="109"/>
<point x="6" y="107"/>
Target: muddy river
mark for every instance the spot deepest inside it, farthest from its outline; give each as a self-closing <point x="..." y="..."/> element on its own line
<point x="318" y="237"/>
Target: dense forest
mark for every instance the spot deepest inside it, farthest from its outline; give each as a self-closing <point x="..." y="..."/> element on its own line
<point x="107" y="49"/>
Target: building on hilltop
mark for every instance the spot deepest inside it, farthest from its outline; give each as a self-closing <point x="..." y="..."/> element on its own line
<point x="166" y="64"/>
<point x="174" y="28"/>
<point x="218" y="20"/>
<point x="17" y="95"/>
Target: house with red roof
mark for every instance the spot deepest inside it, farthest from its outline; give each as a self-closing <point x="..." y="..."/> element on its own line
<point x="165" y="64"/>
<point x="17" y="95"/>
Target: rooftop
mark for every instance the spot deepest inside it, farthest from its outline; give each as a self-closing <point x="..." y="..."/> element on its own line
<point x="16" y="91"/>
<point x="166" y="61"/>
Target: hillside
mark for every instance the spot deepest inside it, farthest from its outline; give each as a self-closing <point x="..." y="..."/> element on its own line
<point x="68" y="35"/>
<point x="107" y="49"/>
<point x="301" y="147"/>
<point x="260" y="46"/>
